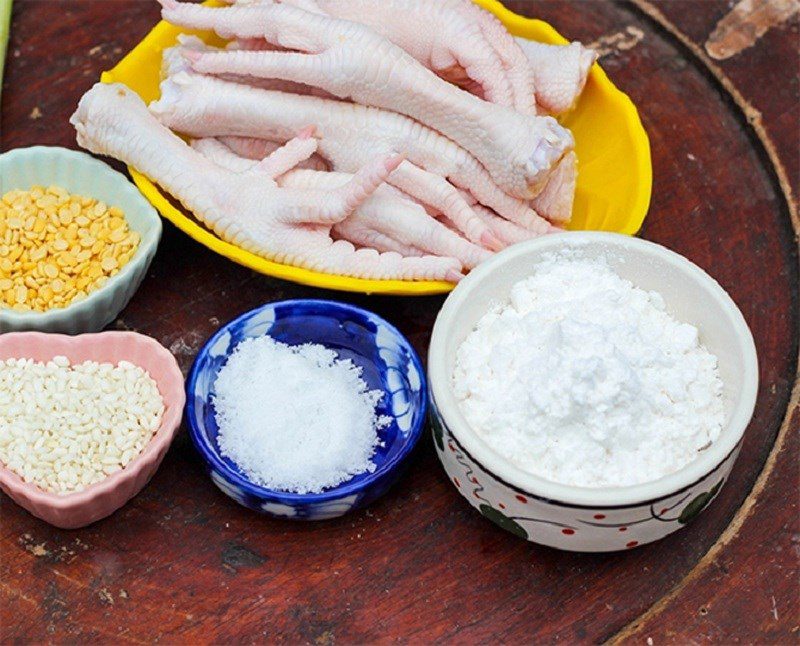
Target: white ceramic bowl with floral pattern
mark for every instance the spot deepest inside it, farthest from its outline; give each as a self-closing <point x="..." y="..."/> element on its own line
<point x="580" y="518"/>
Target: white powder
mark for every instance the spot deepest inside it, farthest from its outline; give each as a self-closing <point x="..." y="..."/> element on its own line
<point x="586" y="380"/>
<point x="295" y="418"/>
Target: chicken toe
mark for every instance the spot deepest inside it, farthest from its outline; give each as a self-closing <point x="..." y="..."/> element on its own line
<point x="290" y="226"/>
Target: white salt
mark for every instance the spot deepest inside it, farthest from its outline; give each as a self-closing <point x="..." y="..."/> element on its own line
<point x="584" y="379"/>
<point x="295" y="418"/>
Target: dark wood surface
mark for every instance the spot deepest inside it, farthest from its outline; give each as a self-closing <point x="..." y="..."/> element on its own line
<point x="183" y="563"/>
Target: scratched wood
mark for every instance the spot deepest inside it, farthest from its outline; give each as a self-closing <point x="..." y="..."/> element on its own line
<point x="747" y="586"/>
<point x="773" y="98"/>
<point x="183" y="563"/>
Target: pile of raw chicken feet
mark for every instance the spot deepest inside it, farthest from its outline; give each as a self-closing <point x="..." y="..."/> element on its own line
<point x="386" y="139"/>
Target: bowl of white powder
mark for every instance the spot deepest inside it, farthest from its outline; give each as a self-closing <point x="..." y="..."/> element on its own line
<point x="590" y="391"/>
<point x="306" y="409"/>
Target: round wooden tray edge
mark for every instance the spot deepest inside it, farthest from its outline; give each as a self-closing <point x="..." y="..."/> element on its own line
<point x="753" y="118"/>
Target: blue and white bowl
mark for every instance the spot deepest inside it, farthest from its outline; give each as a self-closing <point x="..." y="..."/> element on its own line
<point x="389" y="363"/>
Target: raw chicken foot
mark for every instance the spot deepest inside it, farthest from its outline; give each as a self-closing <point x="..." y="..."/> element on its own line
<point x="508" y="232"/>
<point x="456" y="39"/>
<point x="560" y="72"/>
<point x="349" y="60"/>
<point x="253" y="149"/>
<point x="289" y="226"/>
<point x="204" y="106"/>
<point x="386" y="221"/>
<point x="468" y="46"/>
<point x="173" y="62"/>
<point x="556" y="200"/>
<point x="430" y="187"/>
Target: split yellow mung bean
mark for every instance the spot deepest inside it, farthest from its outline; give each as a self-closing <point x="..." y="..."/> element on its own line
<point x="56" y="248"/>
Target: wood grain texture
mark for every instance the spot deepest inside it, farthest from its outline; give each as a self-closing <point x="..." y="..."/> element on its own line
<point x="758" y="73"/>
<point x="181" y="562"/>
<point x="753" y="567"/>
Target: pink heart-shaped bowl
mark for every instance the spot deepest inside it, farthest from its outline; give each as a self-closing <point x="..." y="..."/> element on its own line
<point x="103" y="498"/>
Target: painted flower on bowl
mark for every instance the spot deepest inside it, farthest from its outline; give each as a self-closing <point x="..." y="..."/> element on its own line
<point x="569" y="526"/>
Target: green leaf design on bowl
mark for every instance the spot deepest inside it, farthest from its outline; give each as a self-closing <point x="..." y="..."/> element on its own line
<point x="503" y="521"/>
<point x="698" y="504"/>
<point x="438" y="431"/>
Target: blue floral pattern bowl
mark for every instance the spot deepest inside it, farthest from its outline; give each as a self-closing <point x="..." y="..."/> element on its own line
<point x="389" y="363"/>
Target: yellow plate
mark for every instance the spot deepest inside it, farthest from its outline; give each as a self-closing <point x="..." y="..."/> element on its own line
<point x="614" y="182"/>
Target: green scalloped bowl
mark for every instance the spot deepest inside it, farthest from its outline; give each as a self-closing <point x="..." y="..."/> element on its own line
<point x="82" y="174"/>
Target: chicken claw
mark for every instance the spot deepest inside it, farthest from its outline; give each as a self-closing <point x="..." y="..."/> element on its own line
<point x="348" y="134"/>
<point x="349" y="60"/>
<point x="286" y="225"/>
<point x="387" y="221"/>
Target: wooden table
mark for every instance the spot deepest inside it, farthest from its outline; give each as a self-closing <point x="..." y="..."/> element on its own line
<point x="183" y="563"/>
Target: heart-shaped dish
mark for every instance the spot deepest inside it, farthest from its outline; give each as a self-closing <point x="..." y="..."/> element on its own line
<point x="103" y="498"/>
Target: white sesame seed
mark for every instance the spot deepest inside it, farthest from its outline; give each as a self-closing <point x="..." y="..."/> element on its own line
<point x="65" y="427"/>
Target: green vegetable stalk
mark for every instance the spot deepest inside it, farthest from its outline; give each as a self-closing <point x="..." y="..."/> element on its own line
<point x="5" y="25"/>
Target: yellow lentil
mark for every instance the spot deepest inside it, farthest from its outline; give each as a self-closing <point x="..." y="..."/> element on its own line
<point x="109" y="263"/>
<point x="56" y="248"/>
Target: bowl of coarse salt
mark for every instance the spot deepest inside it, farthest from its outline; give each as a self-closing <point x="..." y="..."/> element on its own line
<point x="590" y="391"/>
<point x="85" y="421"/>
<point x="306" y="409"/>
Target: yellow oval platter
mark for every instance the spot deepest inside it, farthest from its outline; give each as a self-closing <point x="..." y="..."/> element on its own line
<point x="614" y="179"/>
